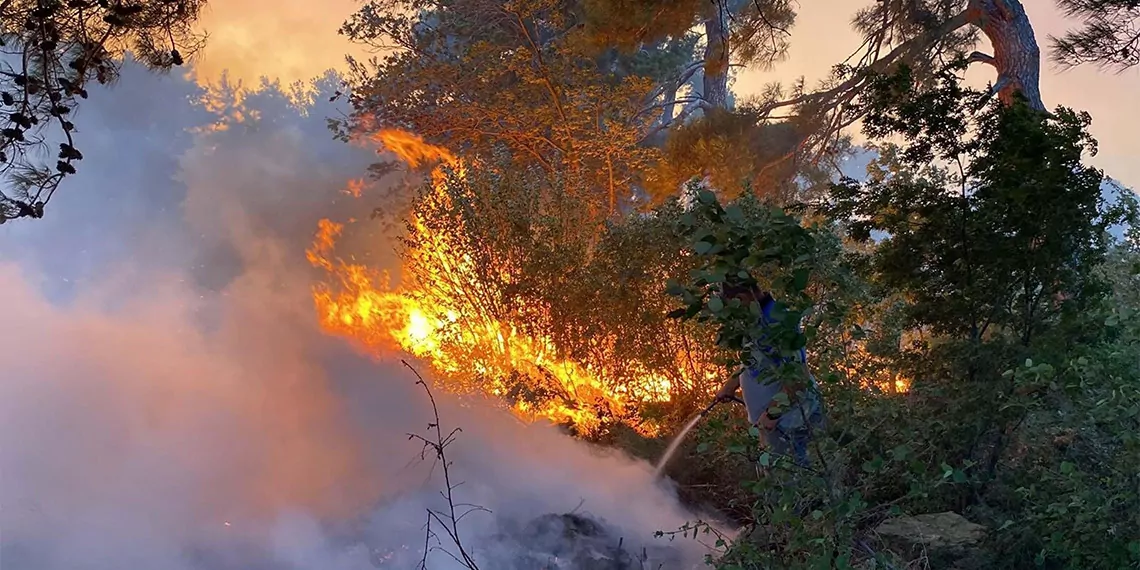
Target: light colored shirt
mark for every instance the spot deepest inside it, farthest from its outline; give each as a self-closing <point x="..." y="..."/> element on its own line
<point x="759" y="384"/>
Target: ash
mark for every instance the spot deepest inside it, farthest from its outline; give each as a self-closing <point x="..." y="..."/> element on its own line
<point x="576" y="542"/>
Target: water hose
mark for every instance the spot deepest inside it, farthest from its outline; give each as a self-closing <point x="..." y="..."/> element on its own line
<point x="719" y="400"/>
<point x="685" y="431"/>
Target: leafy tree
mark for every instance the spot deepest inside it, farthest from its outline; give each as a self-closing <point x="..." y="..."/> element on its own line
<point x="1005" y="236"/>
<point x="55" y="49"/>
<point x="995" y="233"/>
<point x="988" y="290"/>
<point x="488" y="77"/>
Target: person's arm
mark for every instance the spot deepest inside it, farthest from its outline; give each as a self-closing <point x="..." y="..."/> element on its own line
<point x="729" y="388"/>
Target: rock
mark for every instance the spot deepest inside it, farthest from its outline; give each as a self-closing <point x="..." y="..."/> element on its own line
<point x="944" y="539"/>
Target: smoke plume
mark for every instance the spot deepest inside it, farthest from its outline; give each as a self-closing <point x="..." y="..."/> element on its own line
<point x="168" y="403"/>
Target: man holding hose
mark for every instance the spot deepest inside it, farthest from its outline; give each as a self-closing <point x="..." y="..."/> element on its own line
<point x="786" y="421"/>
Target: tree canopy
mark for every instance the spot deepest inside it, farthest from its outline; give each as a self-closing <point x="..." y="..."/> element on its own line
<point x="1109" y="34"/>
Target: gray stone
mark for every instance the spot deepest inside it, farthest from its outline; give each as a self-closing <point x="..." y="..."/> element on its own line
<point x="943" y="539"/>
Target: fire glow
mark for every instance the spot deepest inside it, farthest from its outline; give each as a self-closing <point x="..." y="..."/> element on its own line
<point x="471" y="352"/>
<point x="474" y="352"/>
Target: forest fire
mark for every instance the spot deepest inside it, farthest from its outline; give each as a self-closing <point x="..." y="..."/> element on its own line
<point x="471" y="352"/>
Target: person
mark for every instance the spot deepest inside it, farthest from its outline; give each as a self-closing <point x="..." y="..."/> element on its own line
<point x="787" y="428"/>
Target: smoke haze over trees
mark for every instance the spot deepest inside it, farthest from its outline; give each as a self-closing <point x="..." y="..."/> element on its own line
<point x="535" y="203"/>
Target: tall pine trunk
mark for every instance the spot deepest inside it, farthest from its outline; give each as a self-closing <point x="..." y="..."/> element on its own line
<point x="715" y="82"/>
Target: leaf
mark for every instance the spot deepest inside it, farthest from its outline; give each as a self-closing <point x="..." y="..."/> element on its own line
<point x="716" y="305"/>
<point x="702" y="247"/>
<point x="781" y="398"/>
<point x="800" y="279"/>
<point x="900" y="453"/>
<point x="1068" y="467"/>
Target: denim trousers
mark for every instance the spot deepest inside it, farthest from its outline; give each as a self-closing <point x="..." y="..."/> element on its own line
<point x="792" y="434"/>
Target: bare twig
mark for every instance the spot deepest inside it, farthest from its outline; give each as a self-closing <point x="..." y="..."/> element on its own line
<point x="449" y="519"/>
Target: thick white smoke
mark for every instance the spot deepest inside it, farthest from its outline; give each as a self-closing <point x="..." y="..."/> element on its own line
<point x="168" y="403"/>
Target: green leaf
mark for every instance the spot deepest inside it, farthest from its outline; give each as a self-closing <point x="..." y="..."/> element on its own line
<point x="1068" y="467"/>
<point x="900" y="453"/>
<point x="871" y="466"/>
<point x="716" y="305"/>
<point x="702" y="247"/>
<point x="800" y="279"/>
<point x="781" y="398"/>
<point x="765" y="459"/>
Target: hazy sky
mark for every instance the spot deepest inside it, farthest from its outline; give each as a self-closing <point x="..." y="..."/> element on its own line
<point x="296" y="40"/>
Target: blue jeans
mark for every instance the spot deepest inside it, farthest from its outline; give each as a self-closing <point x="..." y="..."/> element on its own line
<point x="792" y="434"/>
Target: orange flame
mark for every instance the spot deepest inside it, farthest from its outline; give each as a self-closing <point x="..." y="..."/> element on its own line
<point x="471" y="352"/>
<point x="475" y="352"/>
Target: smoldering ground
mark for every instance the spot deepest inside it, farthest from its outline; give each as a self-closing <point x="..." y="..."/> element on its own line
<point x="168" y="403"/>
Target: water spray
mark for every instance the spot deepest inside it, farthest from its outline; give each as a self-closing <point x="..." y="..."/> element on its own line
<point x="676" y="443"/>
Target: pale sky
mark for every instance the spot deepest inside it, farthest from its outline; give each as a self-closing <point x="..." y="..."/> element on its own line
<point x="295" y="40"/>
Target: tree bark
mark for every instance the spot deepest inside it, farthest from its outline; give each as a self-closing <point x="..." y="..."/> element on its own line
<point x="669" y="110"/>
<point x="1016" y="56"/>
<point x="715" y="81"/>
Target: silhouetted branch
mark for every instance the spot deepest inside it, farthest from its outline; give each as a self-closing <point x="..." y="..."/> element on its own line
<point x="448" y="520"/>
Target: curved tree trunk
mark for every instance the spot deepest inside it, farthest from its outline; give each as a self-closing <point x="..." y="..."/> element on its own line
<point x="1016" y="56"/>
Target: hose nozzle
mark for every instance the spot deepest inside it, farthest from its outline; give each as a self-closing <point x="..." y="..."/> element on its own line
<point x="719" y="400"/>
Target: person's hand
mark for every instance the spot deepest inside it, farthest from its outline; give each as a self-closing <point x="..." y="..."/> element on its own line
<point x="726" y="393"/>
<point x="766" y="423"/>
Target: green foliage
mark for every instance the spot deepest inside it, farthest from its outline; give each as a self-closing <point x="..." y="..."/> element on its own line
<point x="747" y="244"/>
<point x="864" y="464"/>
<point x="1107" y="36"/>
<point x="979" y="355"/>
<point x="1003" y="237"/>
<point x="994" y="290"/>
